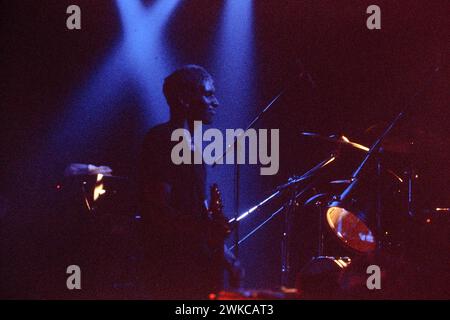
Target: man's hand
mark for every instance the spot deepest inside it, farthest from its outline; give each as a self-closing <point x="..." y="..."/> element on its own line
<point x="218" y="230"/>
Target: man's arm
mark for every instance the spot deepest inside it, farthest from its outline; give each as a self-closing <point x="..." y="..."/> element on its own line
<point x="164" y="217"/>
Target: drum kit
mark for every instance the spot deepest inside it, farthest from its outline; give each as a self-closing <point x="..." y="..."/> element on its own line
<point x="373" y="212"/>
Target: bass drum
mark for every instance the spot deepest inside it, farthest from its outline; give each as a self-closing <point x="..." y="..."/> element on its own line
<point x="353" y="228"/>
<point x="356" y="223"/>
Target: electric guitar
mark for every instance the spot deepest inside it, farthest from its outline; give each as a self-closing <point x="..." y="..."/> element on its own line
<point x="216" y="215"/>
<point x="222" y="257"/>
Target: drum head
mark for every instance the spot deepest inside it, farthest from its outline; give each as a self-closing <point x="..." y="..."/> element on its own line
<point x="351" y="229"/>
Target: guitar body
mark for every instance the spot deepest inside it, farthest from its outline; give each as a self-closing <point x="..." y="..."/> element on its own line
<point x="216" y="239"/>
<point x="222" y="258"/>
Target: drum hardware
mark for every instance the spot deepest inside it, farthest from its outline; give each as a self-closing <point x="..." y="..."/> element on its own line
<point x="291" y="187"/>
<point x="318" y="202"/>
<point x="348" y="222"/>
<point x="348" y="217"/>
<point x="350" y="227"/>
<point x="411" y="175"/>
<point x="321" y="276"/>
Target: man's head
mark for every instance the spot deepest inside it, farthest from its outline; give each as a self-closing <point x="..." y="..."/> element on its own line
<point x="190" y="93"/>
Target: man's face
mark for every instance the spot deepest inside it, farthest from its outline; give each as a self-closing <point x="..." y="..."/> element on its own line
<point x="203" y="102"/>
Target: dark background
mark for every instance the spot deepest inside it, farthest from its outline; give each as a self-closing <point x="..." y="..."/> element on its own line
<point x="362" y="77"/>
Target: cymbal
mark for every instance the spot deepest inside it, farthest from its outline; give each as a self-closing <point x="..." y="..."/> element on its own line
<point x="336" y="139"/>
<point x="408" y="139"/>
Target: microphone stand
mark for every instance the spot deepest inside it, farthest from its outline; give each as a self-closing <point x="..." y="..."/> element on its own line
<point x="237" y="167"/>
<point x="235" y="142"/>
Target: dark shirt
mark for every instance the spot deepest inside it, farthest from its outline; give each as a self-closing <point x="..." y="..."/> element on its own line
<point x="187" y="182"/>
<point x="178" y="260"/>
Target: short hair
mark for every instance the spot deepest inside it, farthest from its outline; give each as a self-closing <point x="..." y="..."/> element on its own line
<point x="182" y="81"/>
